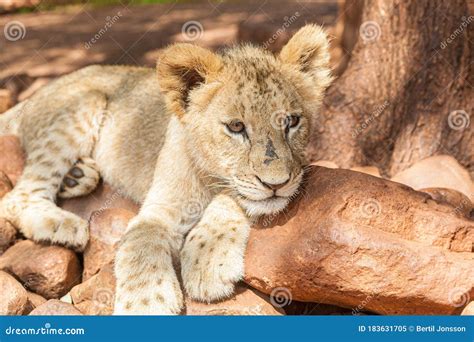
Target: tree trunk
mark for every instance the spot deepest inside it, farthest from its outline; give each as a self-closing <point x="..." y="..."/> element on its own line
<point x="407" y="92"/>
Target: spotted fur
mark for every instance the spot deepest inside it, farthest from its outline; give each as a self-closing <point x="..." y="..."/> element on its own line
<point x="167" y="145"/>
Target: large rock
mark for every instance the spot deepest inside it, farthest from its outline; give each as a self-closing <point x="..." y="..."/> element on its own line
<point x="437" y="172"/>
<point x="295" y="308"/>
<point x="96" y="295"/>
<point x="468" y="310"/>
<point x="7" y="235"/>
<point x="370" y="170"/>
<point x="457" y="200"/>
<point x="54" y="307"/>
<point x="13" y="297"/>
<point x="358" y="241"/>
<point x="34" y="300"/>
<point x="101" y="199"/>
<point x="325" y="163"/>
<point x="106" y="229"/>
<point x="244" y="302"/>
<point x="50" y="271"/>
<point x="12" y="158"/>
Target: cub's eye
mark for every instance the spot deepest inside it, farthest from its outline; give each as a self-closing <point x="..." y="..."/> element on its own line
<point x="292" y="121"/>
<point x="236" y="126"/>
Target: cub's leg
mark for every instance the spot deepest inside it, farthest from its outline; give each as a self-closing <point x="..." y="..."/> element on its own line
<point x="53" y="138"/>
<point x="147" y="283"/>
<point x="80" y="180"/>
<point x="146" y="280"/>
<point x="212" y="258"/>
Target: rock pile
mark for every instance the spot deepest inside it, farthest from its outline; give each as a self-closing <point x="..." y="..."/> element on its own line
<point x="352" y="243"/>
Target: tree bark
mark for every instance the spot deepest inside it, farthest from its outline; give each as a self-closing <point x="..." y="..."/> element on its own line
<point x="407" y="92"/>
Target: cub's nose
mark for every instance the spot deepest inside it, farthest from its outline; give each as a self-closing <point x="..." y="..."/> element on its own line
<point x="274" y="186"/>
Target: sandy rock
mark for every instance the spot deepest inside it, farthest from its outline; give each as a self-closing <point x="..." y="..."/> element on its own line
<point x="11" y="157"/>
<point x="245" y="302"/>
<point x="103" y="198"/>
<point x="370" y="170"/>
<point x="5" y="184"/>
<point x="295" y="308"/>
<point x="106" y="229"/>
<point x="6" y="100"/>
<point x="454" y="198"/>
<point x="7" y="235"/>
<point x="50" y="271"/>
<point x="347" y="243"/>
<point x="96" y="295"/>
<point x="54" y="307"/>
<point x="468" y="310"/>
<point x="437" y="172"/>
<point x="34" y="300"/>
<point x="13" y="297"/>
<point x="326" y="163"/>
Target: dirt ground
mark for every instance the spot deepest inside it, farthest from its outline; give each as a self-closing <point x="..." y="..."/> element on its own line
<point x="56" y="42"/>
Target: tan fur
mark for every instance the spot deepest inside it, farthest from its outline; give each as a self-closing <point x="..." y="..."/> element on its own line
<point x="200" y="185"/>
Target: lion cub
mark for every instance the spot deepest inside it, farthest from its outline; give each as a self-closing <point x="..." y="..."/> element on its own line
<point x="206" y="145"/>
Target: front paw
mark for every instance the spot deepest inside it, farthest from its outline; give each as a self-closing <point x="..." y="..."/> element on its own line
<point x="146" y="280"/>
<point x="209" y="270"/>
<point x="156" y="297"/>
<point x="42" y="221"/>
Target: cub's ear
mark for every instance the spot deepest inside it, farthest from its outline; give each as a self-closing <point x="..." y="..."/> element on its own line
<point x="308" y="51"/>
<point x="181" y="68"/>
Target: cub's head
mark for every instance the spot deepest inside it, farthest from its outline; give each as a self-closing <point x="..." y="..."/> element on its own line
<point x="247" y="113"/>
